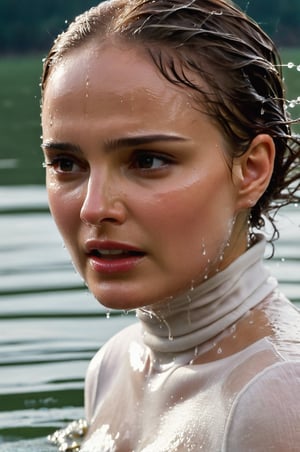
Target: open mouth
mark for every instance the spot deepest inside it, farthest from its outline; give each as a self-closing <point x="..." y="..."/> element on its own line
<point x="115" y="254"/>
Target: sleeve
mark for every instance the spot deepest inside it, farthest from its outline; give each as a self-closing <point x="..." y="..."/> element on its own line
<point x="266" y="414"/>
<point x="104" y="367"/>
<point x="91" y="384"/>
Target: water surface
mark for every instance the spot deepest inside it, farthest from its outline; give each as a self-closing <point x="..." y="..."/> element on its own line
<point x="50" y="326"/>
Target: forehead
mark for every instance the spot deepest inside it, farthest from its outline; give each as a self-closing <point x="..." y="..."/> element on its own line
<point x="109" y="70"/>
<point x="116" y="89"/>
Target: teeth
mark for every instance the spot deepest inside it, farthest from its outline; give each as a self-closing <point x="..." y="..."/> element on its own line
<point x="111" y="252"/>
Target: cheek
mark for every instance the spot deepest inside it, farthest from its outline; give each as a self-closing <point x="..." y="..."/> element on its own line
<point x="202" y="203"/>
<point x="65" y="209"/>
<point x="190" y="223"/>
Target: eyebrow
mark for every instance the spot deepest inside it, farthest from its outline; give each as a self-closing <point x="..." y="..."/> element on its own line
<point x="114" y="144"/>
<point x="140" y="140"/>
<point x="60" y="146"/>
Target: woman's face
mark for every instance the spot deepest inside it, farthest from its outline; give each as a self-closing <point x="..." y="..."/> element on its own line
<point x="137" y="178"/>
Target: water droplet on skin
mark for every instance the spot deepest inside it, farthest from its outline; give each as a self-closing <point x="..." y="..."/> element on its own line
<point x="232" y="329"/>
<point x="219" y="351"/>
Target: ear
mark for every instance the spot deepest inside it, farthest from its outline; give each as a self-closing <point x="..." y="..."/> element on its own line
<point x="253" y="170"/>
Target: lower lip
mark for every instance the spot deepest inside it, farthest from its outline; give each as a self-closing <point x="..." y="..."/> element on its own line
<point x="115" y="265"/>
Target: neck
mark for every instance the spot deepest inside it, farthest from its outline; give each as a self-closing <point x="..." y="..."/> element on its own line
<point x="179" y="325"/>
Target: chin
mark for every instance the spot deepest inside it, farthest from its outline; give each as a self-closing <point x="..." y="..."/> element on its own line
<point x="117" y="301"/>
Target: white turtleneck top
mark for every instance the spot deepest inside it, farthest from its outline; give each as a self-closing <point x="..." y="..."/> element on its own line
<point x="216" y="369"/>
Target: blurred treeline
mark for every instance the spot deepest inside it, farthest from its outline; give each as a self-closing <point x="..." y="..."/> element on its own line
<point x="29" y="26"/>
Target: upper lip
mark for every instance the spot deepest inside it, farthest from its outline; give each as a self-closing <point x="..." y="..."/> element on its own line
<point x="94" y="245"/>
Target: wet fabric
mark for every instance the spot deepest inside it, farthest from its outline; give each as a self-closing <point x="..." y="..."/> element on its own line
<point x="217" y="369"/>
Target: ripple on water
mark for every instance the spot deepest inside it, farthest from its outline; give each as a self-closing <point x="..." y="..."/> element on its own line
<point x="50" y="327"/>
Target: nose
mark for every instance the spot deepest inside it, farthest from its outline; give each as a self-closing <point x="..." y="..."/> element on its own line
<point x="102" y="202"/>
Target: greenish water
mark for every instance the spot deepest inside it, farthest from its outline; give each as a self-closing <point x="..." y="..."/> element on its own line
<point x="51" y="326"/>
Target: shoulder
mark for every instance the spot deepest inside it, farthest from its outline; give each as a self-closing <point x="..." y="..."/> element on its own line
<point x="266" y="413"/>
<point x="106" y="362"/>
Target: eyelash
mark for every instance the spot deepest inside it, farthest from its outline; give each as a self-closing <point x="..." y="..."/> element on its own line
<point x="140" y="160"/>
<point x="59" y="160"/>
<point x="138" y="156"/>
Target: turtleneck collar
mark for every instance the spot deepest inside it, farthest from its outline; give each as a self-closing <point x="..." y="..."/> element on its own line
<point x="180" y="324"/>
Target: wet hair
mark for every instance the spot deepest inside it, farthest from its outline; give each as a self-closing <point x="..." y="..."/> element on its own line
<point x="191" y="41"/>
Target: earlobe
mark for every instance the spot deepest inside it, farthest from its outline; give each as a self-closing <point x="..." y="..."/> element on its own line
<point x="253" y="170"/>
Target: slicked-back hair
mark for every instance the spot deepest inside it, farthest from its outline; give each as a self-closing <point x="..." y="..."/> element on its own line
<point x="229" y="65"/>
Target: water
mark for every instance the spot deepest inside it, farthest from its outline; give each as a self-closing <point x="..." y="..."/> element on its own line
<point x="50" y="326"/>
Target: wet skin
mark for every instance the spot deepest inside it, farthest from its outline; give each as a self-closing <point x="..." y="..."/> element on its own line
<point x="132" y="167"/>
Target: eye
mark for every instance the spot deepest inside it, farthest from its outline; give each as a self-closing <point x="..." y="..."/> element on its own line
<point x="146" y="160"/>
<point x="64" y="164"/>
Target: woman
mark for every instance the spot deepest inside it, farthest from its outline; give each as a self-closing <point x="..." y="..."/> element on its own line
<point x="166" y="144"/>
